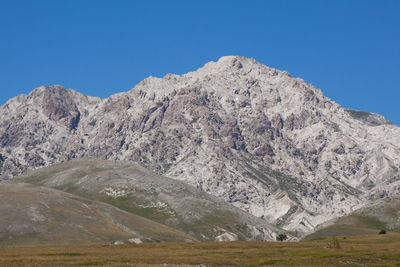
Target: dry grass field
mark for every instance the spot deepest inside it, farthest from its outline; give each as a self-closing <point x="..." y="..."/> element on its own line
<point x="367" y="250"/>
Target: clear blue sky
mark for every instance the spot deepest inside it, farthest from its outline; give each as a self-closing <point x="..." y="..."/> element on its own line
<point x="349" y="49"/>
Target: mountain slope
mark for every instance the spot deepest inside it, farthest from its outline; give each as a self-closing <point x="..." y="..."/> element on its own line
<point x="141" y="192"/>
<point x="41" y="216"/>
<point x="371" y="219"/>
<point x="250" y="135"/>
<point x="385" y="211"/>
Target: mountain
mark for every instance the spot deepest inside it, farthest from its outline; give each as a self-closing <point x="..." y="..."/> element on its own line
<point x="162" y="204"/>
<point x="256" y="137"/>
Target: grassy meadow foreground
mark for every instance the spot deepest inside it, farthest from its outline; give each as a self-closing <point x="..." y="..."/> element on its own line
<point x="367" y="250"/>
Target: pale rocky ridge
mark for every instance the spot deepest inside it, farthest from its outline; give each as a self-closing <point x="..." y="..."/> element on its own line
<point x="256" y="137"/>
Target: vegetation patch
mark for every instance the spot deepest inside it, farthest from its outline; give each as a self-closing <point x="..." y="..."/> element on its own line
<point x="263" y="263"/>
<point x="68" y="254"/>
<point x="93" y="263"/>
<point x="367" y="250"/>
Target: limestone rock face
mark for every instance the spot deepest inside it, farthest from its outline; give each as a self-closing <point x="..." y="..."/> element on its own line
<point x="256" y="137"/>
<point x="58" y="105"/>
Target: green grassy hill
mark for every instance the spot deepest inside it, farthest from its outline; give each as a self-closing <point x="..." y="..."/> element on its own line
<point x="382" y="215"/>
<point x="171" y="210"/>
<point x="33" y="215"/>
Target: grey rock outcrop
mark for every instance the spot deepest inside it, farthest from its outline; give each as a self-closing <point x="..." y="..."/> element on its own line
<point x="256" y="137"/>
<point x="59" y="105"/>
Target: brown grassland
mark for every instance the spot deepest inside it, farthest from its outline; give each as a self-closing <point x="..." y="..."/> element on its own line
<point x="367" y="250"/>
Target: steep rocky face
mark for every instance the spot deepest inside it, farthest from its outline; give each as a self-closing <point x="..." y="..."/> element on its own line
<point x="58" y="105"/>
<point x="370" y="119"/>
<point x="39" y="129"/>
<point x="253" y="136"/>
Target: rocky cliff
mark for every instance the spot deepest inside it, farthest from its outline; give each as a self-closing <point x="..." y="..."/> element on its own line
<point x="270" y="144"/>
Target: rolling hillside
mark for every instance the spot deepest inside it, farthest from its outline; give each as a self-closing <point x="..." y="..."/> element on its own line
<point x="126" y="200"/>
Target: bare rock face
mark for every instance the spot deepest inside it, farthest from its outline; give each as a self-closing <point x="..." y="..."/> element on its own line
<point x="59" y="105"/>
<point x="256" y="137"/>
<point x="39" y="129"/>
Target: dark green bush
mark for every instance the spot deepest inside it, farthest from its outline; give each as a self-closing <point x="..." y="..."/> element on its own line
<point x="281" y="237"/>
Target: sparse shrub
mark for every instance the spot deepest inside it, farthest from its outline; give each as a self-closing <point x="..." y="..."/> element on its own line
<point x="281" y="237"/>
<point x="382" y="232"/>
<point x="93" y="122"/>
<point x="334" y="243"/>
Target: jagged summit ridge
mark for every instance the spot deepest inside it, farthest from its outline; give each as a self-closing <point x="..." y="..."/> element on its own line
<point x="371" y="119"/>
<point x="268" y="143"/>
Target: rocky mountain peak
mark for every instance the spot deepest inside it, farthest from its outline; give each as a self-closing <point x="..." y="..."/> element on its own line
<point x="228" y="65"/>
<point x="234" y="61"/>
<point x="58" y="105"/>
<point x="53" y="89"/>
<point x="270" y="144"/>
